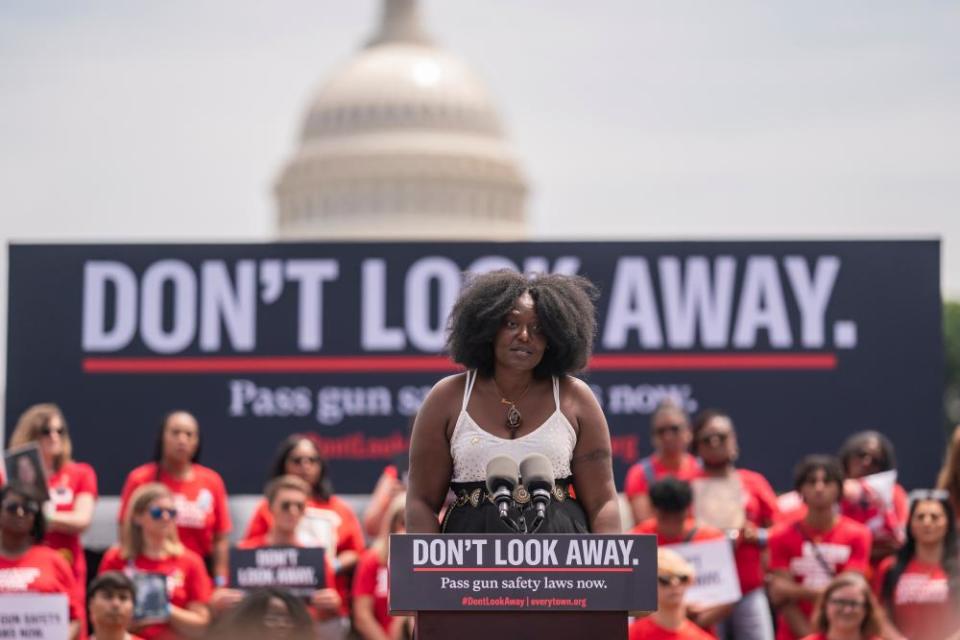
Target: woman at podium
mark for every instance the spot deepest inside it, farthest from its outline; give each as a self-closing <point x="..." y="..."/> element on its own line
<point x="520" y="339"/>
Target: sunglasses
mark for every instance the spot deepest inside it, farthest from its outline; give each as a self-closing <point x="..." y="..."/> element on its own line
<point x="843" y="603"/>
<point x="302" y="460"/>
<point x="714" y="439"/>
<point x="48" y="431"/>
<point x="291" y="505"/>
<point x="929" y="494"/>
<point x="25" y="508"/>
<point x="673" y="429"/>
<point x="673" y="580"/>
<point x="159" y="513"/>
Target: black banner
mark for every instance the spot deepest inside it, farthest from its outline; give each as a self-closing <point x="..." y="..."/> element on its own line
<point x="490" y="572"/>
<point x="300" y="570"/>
<point x="803" y="342"/>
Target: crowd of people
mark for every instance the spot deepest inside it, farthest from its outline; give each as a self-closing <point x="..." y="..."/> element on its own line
<point x="849" y="554"/>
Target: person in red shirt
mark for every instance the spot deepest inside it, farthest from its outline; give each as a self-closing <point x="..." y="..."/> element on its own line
<point x="72" y="485"/>
<point x="670" y="499"/>
<point x="669" y="622"/>
<point x="150" y="544"/>
<point x="287" y="498"/>
<point x="26" y="565"/>
<point x="371" y="617"/>
<point x="200" y="497"/>
<point x="670" y="436"/>
<point x="110" y="602"/>
<point x="328" y="521"/>
<point x="920" y="586"/>
<point x="805" y="555"/>
<point x="846" y="610"/>
<point x="715" y="442"/>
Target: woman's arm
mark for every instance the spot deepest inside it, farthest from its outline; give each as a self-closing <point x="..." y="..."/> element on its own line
<point x="191" y="621"/>
<point x="364" y="622"/>
<point x="592" y="465"/>
<point x="386" y="490"/>
<point x="430" y="463"/>
<point x="75" y="521"/>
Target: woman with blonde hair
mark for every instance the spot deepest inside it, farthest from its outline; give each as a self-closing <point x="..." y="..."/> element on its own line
<point x="949" y="477"/>
<point x="847" y="610"/>
<point x="150" y="544"/>
<point x="371" y="616"/>
<point x="72" y="485"/>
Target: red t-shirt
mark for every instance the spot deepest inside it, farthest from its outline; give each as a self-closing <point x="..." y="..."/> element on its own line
<point x="371" y="579"/>
<point x="330" y="524"/>
<point x="794" y="547"/>
<point x="820" y="636"/>
<point x="41" y="570"/>
<point x="648" y="629"/>
<point x="636" y="483"/>
<point x="872" y="512"/>
<point x="65" y="485"/>
<point x="760" y="509"/>
<point x="921" y="605"/>
<point x="201" y="503"/>
<point x="187" y="581"/>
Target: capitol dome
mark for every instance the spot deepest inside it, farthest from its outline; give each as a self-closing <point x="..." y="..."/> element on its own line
<point x="402" y="142"/>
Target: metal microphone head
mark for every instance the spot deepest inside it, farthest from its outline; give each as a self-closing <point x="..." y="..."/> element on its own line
<point x="502" y="472"/>
<point x="537" y="472"/>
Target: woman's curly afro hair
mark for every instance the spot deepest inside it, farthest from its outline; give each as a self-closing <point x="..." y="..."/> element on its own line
<point x="564" y="306"/>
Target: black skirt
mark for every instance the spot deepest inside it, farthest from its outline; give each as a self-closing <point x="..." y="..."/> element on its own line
<point x="563" y="516"/>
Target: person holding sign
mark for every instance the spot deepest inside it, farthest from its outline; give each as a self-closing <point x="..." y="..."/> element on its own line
<point x="200" y="497"/>
<point x="519" y="337"/>
<point x="287" y="497"/>
<point x="670" y="436"/>
<point x="110" y="600"/>
<point x="72" y="485"/>
<point x="669" y="621"/>
<point x="806" y="555"/>
<point x="150" y="547"/>
<point x="920" y="586"/>
<point x="371" y="611"/>
<point x="26" y="564"/>
<point x="742" y="503"/>
<point x="847" y="610"/>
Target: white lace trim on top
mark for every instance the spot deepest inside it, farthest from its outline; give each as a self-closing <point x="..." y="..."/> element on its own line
<point x="472" y="448"/>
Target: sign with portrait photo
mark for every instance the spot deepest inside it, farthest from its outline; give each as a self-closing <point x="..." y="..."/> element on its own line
<point x="23" y="465"/>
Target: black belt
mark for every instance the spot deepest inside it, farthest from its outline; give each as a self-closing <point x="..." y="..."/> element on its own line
<point x="475" y="493"/>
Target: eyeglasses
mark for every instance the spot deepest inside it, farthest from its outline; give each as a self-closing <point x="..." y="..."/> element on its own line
<point x="22" y="508"/>
<point x="714" y="439"/>
<point x="159" y="513"/>
<point x="302" y="460"/>
<point x="672" y="580"/>
<point x="291" y="505"/>
<point x="48" y="431"/>
<point x="673" y="429"/>
<point x="843" y="603"/>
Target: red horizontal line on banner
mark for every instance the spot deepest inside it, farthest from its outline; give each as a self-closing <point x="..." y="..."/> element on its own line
<point x="442" y="364"/>
<point x="523" y="570"/>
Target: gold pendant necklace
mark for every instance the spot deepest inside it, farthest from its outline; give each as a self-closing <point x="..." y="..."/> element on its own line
<point x="514" y="417"/>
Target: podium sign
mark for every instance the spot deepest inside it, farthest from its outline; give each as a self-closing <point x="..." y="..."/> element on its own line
<point x="494" y="572"/>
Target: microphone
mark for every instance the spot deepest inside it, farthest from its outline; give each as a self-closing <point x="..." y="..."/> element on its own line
<point x="502" y="479"/>
<point x="537" y="474"/>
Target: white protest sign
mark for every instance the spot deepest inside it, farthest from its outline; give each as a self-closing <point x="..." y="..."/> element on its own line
<point x="716" y="580"/>
<point x="41" y="616"/>
<point x="882" y="484"/>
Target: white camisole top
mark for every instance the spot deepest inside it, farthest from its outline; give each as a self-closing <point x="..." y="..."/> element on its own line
<point x="472" y="448"/>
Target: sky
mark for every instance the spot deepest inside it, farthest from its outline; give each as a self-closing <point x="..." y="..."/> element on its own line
<point x="169" y="121"/>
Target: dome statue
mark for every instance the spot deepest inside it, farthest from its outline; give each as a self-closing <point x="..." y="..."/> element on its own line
<point x="402" y="142"/>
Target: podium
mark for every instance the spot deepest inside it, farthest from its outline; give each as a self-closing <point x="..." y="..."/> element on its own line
<point x="506" y="586"/>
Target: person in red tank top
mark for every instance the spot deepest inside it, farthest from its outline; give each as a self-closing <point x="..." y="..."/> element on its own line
<point x="846" y="610"/>
<point x="806" y="555"/>
<point x="669" y="622"/>
<point x="670" y="436"/>
<point x="150" y="545"/>
<point x="920" y="586"/>
<point x="203" y="517"/>
<point x="72" y="485"/>
<point x="715" y="442"/>
<point x="26" y="565"/>
<point x="111" y="606"/>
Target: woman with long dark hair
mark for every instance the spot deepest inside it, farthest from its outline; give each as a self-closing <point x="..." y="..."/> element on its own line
<point x="266" y="614"/>
<point x="920" y="586"/>
<point x="200" y="496"/>
<point x="519" y="337"/>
